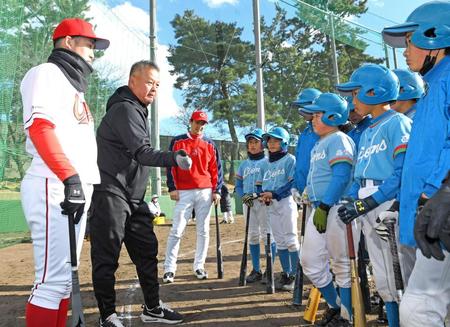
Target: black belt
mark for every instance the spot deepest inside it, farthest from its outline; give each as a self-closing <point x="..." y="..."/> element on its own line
<point x="367" y="182"/>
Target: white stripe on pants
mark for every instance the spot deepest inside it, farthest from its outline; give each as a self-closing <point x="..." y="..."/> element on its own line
<point x="200" y="201"/>
<point x="41" y="198"/>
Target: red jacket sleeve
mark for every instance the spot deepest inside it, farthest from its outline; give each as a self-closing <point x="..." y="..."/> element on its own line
<point x="43" y="136"/>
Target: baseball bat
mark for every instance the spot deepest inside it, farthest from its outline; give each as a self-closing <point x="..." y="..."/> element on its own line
<point x="312" y="305"/>
<point x="218" y="247"/>
<point x="77" y="306"/>
<point x="359" y="317"/>
<point x="390" y="225"/>
<point x="298" y="286"/>
<point x="362" y="270"/>
<point x="243" y="272"/>
<point x="270" y="286"/>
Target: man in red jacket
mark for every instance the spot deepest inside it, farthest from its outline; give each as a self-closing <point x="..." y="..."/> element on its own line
<point x="194" y="189"/>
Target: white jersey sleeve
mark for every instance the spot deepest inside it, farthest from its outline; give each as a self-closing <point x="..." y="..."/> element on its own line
<point x="47" y="94"/>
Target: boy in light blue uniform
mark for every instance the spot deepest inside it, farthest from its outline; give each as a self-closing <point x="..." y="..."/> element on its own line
<point x="426" y="36"/>
<point x="360" y="122"/>
<point x="377" y="173"/>
<point x="246" y="189"/>
<point x="274" y="182"/>
<point x="306" y="139"/>
<point x="325" y="235"/>
<point x="411" y="90"/>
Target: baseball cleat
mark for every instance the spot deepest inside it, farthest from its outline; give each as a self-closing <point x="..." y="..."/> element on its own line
<point x="254" y="276"/>
<point x="168" y="277"/>
<point x="201" y="274"/>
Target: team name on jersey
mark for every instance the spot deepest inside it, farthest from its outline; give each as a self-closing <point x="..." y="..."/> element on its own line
<point x="272" y="174"/>
<point x="318" y="156"/>
<point x="373" y="149"/>
<point x="250" y="171"/>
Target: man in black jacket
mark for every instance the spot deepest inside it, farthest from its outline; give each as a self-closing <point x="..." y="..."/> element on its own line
<point x="119" y="213"/>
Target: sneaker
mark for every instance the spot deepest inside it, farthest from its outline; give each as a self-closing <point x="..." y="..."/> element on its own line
<point x="264" y="278"/>
<point x="290" y="283"/>
<point x="254" y="276"/>
<point x="338" y="321"/>
<point x="201" y="274"/>
<point x="111" y="321"/>
<point x="161" y="313"/>
<point x="328" y="316"/>
<point x="285" y="282"/>
<point x="168" y="277"/>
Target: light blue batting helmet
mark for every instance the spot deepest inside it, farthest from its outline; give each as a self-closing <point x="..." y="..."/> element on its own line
<point x="256" y="133"/>
<point x="372" y="77"/>
<point x="306" y="96"/>
<point x="429" y="25"/>
<point x="278" y="133"/>
<point x="333" y="106"/>
<point x="411" y="85"/>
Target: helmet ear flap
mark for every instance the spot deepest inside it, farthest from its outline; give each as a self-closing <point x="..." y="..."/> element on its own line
<point x="331" y="118"/>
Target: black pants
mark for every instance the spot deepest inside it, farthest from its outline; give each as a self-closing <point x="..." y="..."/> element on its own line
<point x="115" y="221"/>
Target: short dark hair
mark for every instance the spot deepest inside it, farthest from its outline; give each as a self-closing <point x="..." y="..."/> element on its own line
<point x="57" y="43"/>
<point x="143" y="64"/>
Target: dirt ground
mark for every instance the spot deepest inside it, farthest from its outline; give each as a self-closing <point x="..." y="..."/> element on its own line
<point x="211" y="302"/>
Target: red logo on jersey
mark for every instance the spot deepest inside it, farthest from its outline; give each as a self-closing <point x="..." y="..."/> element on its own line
<point x="82" y="115"/>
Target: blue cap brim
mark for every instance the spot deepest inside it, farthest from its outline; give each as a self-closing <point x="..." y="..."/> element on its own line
<point x="312" y="108"/>
<point x="347" y="88"/>
<point x="395" y="36"/>
<point x="300" y="103"/>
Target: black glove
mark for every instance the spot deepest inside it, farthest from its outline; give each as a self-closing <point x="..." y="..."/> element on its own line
<point x="248" y="198"/>
<point x="183" y="160"/>
<point x="74" y="199"/>
<point x="433" y="224"/>
<point x="352" y="209"/>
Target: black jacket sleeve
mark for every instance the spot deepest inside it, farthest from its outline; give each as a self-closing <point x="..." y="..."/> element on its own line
<point x="131" y="126"/>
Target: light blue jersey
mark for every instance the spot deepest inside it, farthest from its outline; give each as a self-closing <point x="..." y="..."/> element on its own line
<point x="306" y="141"/>
<point x="277" y="176"/>
<point x="247" y="174"/>
<point x="329" y="151"/>
<point x="379" y="146"/>
<point x="427" y="160"/>
<point x="356" y="133"/>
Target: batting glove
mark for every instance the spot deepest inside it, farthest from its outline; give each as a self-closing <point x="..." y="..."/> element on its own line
<point x="183" y="160"/>
<point x="352" y="209"/>
<point x="74" y="199"/>
<point x="297" y="196"/>
<point x="433" y="224"/>
<point x="248" y="199"/>
<point x="320" y="217"/>
<point x="389" y="216"/>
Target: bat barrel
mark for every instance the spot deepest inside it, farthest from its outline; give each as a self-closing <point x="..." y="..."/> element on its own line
<point x="243" y="271"/>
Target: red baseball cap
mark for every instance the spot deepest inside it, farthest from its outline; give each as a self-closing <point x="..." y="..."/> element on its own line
<point x="199" y="115"/>
<point x="79" y="27"/>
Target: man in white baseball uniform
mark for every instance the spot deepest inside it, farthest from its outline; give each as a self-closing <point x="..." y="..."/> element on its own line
<point x="61" y="140"/>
